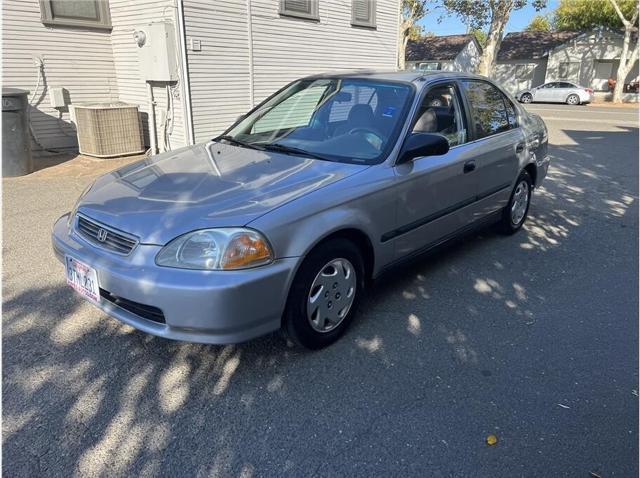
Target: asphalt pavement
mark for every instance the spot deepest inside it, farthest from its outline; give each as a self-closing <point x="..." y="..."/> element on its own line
<point x="532" y="338"/>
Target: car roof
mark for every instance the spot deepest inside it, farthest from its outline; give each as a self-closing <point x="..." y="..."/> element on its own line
<point x="404" y="76"/>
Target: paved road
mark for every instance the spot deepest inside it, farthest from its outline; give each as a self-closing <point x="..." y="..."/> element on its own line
<point x="533" y="338"/>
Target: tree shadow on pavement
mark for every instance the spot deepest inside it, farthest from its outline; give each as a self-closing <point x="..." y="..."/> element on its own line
<point x="436" y="347"/>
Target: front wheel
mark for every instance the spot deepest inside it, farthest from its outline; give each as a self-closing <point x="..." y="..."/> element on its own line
<point x="573" y="100"/>
<point x="515" y="214"/>
<point x="325" y="293"/>
<point x="526" y="98"/>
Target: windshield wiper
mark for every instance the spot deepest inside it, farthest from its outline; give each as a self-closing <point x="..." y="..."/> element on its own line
<point x="237" y="142"/>
<point x="283" y="148"/>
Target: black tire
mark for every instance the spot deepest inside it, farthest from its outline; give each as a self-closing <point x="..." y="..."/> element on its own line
<point x="507" y="224"/>
<point x="296" y="324"/>
<point x="526" y="98"/>
<point x="573" y="99"/>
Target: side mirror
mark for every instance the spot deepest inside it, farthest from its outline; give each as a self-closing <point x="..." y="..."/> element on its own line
<point x="423" y="144"/>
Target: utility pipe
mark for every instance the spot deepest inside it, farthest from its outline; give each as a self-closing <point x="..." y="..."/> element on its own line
<point x="153" y="136"/>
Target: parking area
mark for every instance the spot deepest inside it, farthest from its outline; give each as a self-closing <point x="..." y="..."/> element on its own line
<point x="531" y="338"/>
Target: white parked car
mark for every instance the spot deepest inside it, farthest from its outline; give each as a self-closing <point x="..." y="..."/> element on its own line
<point x="557" y="92"/>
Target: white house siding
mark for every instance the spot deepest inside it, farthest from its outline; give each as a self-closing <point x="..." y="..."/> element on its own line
<point x="126" y="17"/>
<point x="238" y="68"/>
<point x="79" y="60"/>
<point x="506" y="73"/>
<point x="468" y="59"/>
<point x="219" y="73"/>
<point x="587" y="50"/>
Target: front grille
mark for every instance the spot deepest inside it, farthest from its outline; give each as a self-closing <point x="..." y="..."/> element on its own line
<point x="141" y="310"/>
<point x="105" y="236"/>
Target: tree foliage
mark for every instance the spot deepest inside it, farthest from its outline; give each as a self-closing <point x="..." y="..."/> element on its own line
<point x="410" y="12"/>
<point x="480" y="35"/>
<point x="577" y="15"/>
<point x="539" y="23"/>
<point x="478" y="14"/>
<point x="493" y="14"/>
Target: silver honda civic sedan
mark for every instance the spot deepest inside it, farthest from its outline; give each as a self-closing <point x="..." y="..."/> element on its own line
<point x="284" y="220"/>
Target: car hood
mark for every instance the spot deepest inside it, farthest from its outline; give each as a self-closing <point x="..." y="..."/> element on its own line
<point x="207" y="185"/>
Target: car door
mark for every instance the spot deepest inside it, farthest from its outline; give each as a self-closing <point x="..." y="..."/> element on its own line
<point x="434" y="192"/>
<point x="498" y="145"/>
<point x="563" y="91"/>
<point x="545" y="92"/>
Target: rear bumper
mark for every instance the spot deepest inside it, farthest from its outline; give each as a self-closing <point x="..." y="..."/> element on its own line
<point x="217" y="307"/>
<point x="542" y="165"/>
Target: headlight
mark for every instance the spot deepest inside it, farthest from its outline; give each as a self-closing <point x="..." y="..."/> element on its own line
<point x="217" y="249"/>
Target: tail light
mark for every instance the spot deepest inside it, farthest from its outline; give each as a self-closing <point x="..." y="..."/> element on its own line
<point x="588" y="90"/>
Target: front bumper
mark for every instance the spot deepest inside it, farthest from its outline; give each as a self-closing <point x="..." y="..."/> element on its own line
<point x="216" y="307"/>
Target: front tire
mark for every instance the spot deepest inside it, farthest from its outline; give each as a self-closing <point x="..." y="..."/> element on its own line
<point x="526" y="98"/>
<point x="573" y="100"/>
<point x="325" y="294"/>
<point x="517" y="210"/>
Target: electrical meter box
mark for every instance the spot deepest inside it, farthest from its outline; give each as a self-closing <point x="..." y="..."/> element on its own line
<point x="157" y="52"/>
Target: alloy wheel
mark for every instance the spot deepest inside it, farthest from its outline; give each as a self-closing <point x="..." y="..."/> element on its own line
<point x="520" y="202"/>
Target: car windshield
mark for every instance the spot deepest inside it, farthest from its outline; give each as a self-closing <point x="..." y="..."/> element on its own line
<point x="338" y="119"/>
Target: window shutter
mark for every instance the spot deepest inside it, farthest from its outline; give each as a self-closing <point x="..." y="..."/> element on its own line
<point x="298" y="6"/>
<point x="363" y="13"/>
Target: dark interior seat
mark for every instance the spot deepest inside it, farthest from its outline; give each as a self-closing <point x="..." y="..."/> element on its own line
<point x="434" y="120"/>
<point x="360" y="116"/>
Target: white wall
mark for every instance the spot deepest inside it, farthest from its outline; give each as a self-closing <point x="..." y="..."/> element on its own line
<point x="239" y="66"/>
<point x="504" y="73"/>
<point x="79" y="60"/>
<point x="468" y="59"/>
<point x="586" y="50"/>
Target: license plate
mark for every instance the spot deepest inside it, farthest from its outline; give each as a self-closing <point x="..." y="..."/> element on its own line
<point x="83" y="278"/>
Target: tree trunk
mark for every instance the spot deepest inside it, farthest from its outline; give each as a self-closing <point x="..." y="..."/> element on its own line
<point x="403" y="38"/>
<point x="402" y="51"/>
<point x="499" y="17"/>
<point x="626" y="63"/>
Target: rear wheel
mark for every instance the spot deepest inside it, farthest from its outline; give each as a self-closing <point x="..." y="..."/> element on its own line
<point x="325" y="293"/>
<point x="526" y="98"/>
<point x="515" y="214"/>
<point x="573" y="100"/>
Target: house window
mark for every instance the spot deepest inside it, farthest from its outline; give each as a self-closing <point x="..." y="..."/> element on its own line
<point x="363" y="13"/>
<point x="75" y="13"/>
<point x="523" y="72"/>
<point x="300" y="8"/>
<point x="568" y="69"/>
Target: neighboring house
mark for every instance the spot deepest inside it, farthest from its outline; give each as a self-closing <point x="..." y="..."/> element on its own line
<point x="229" y="56"/>
<point x="449" y="53"/>
<point x="528" y="59"/>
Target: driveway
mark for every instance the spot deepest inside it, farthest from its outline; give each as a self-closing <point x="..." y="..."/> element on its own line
<point x="532" y="338"/>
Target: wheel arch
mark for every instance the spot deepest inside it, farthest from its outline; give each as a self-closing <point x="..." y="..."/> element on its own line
<point x="356" y="236"/>
<point x="532" y="169"/>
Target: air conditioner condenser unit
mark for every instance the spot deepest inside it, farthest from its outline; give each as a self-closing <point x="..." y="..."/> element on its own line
<point x="107" y="130"/>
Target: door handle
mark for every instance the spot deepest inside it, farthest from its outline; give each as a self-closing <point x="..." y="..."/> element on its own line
<point x="469" y="166"/>
<point x="519" y="147"/>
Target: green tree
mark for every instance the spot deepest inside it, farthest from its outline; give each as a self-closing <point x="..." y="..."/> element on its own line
<point x="480" y="36"/>
<point x="578" y="15"/>
<point x="410" y="12"/>
<point x="492" y="13"/>
<point x="539" y="23"/>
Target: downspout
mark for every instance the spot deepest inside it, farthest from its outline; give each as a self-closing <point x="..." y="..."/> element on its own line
<point x="153" y="134"/>
<point x="186" y="85"/>
<point x="250" y="41"/>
